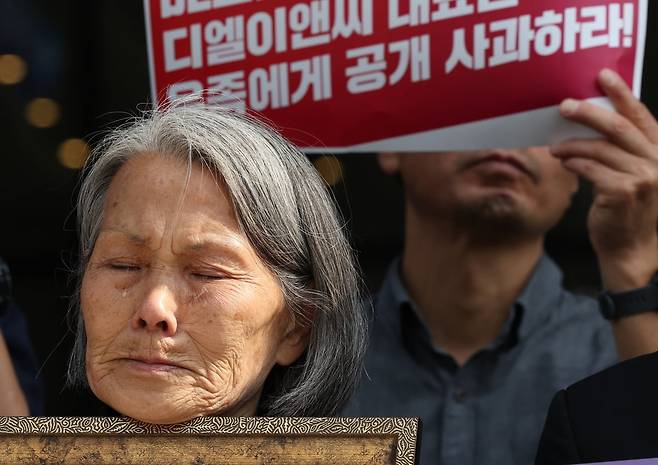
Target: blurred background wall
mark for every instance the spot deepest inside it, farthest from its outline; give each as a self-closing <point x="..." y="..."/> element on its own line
<point x="71" y="69"/>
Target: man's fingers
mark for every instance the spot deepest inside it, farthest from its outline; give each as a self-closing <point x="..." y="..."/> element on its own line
<point x="624" y="188"/>
<point x="614" y="126"/>
<point x="598" y="150"/>
<point x="602" y="177"/>
<point x="626" y="104"/>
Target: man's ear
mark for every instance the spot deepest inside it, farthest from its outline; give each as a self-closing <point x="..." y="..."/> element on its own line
<point x="389" y="162"/>
<point x="294" y="343"/>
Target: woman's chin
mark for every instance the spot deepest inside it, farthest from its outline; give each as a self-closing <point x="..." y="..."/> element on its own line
<point x="165" y="415"/>
<point x="148" y="417"/>
<point x="169" y="396"/>
<point x="159" y="404"/>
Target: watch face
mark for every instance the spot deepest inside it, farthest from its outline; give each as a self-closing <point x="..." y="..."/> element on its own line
<point x="607" y="306"/>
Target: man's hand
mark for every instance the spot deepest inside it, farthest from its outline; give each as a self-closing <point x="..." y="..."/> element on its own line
<point x="623" y="219"/>
<point x="623" y="169"/>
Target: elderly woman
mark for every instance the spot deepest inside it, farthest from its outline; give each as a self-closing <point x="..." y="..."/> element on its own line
<point x="215" y="277"/>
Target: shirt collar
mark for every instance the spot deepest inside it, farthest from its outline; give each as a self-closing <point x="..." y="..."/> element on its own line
<point x="540" y="294"/>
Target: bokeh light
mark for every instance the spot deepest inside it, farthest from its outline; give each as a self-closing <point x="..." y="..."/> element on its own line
<point x="72" y="153"/>
<point x="329" y="168"/>
<point x="12" y="69"/>
<point x="42" y="112"/>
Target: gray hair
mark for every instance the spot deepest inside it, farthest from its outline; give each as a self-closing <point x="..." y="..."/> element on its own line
<point x="288" y="215"/>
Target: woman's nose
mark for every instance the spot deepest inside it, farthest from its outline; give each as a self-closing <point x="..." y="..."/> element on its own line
<point x="157" y="312"/>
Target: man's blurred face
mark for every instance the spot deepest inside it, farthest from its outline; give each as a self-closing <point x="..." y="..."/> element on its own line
<point x="521" y="190"/>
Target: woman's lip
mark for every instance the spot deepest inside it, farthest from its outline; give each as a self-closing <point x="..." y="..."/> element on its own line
<point x="145" y="364"/>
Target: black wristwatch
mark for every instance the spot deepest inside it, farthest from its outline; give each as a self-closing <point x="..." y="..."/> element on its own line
<point x="616" y="305"/>
<point x="5" y="287"/>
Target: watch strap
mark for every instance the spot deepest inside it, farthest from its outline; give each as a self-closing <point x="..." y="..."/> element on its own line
<point x="620" y="304"/>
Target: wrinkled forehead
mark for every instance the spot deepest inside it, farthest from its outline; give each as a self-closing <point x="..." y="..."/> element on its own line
<point x="160" y="191"/>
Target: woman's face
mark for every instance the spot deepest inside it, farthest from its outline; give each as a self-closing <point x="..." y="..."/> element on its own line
<point x="182" y="317"/>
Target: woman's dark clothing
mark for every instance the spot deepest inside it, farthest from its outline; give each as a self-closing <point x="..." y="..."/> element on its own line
<point x="609" y="416"/>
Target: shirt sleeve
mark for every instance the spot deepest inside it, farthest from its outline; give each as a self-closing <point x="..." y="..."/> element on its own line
<point x="14" y="329"/>
<point x="557" y="445"/>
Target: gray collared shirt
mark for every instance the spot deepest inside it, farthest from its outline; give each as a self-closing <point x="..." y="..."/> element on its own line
<point x="492" y="409"/>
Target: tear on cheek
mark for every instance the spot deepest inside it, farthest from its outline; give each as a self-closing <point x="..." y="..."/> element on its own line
<point x="123" y="284"/>
<point x="199" y="295"/>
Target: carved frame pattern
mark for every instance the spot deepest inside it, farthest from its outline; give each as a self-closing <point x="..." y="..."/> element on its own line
<point x="404" y="429"/>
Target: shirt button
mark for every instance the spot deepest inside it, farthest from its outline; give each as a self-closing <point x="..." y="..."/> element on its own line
<point x="459" y="396"/>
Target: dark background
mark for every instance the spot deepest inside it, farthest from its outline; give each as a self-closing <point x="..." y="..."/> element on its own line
<point x="90" y="57"/>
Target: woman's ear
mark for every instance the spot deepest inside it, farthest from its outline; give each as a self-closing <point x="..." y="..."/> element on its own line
<point x="294" y="342"/>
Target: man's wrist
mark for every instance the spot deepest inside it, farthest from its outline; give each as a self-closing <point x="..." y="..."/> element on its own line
<point x="621" y="276"/>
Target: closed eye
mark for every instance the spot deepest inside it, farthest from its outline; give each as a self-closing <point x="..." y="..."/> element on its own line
<point x="207" y="276"/>
<point x="124" y="267"/>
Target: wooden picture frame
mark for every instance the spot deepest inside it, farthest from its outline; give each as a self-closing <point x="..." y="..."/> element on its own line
<point x="208" y="441"/>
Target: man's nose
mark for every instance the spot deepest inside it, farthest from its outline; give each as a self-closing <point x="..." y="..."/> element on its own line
<point x="157" y="311"/>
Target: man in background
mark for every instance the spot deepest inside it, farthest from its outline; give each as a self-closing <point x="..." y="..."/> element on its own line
<point x="20" y="391"/>
<point x="473" y="331"/>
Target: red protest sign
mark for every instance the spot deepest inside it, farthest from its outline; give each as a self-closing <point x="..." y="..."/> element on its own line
<point x="396" y="74"/>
